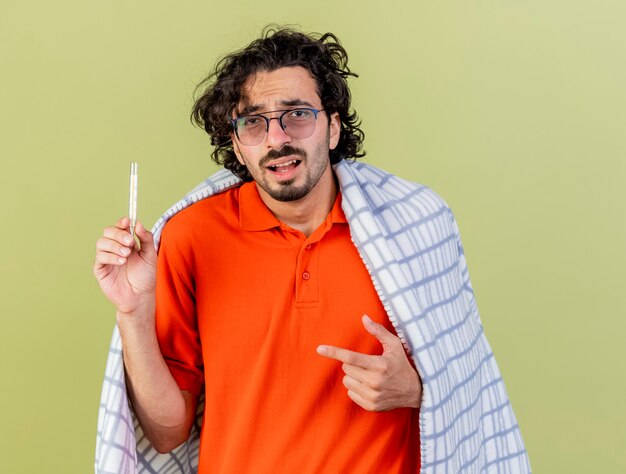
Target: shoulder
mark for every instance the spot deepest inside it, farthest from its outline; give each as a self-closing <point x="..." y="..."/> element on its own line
<point x="202" y="218"/>
<point x="219" y="182"/>
<point x="381" y="188"/>
<point x="377" y="202"/>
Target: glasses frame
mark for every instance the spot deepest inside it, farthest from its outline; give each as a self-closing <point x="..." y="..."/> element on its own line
<point x="279" y="119"/>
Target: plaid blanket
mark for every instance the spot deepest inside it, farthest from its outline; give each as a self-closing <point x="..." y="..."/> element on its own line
<point x="409" y="241"/>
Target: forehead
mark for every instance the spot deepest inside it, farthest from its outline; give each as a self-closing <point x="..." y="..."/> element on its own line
<point x="269" y="90"/>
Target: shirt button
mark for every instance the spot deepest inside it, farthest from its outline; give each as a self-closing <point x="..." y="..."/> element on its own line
<point x="306" y="275"/>
<point x="308" y="247"/>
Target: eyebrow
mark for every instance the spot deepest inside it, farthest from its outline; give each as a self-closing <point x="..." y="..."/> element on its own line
<point x="252" y="108"/>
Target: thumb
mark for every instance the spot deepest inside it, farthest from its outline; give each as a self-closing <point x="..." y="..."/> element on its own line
<point x="387" y="339"/>
<point x="145" y="239"/>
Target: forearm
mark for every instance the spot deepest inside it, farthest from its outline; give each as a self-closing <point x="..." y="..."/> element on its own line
<point x="164" y="412"/>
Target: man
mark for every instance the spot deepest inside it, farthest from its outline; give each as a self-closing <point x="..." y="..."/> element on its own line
<point x="260" y="302"/>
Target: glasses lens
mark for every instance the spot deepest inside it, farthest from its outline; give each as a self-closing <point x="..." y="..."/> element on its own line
<point x="299" y="123"/>
<point x="251" y="129"/>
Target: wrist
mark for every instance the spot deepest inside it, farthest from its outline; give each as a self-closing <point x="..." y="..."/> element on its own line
<point x="415" y="395"/>
<point x="141" y="314"/>
<point x="417" y="400"/>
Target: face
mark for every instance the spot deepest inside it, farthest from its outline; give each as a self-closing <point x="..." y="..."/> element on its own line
<point x="287" y="169"/>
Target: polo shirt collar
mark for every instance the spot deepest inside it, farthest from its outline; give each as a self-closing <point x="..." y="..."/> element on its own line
<point x="254" y="215"/>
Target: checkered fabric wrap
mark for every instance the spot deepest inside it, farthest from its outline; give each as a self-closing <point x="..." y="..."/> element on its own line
<point x="410" y="244"/>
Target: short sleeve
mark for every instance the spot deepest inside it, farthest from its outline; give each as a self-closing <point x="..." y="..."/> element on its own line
<point x="176" y="317"/>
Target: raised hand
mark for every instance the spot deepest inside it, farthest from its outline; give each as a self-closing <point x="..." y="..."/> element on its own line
<point x="378" y="382"/>
<point x="125" y="271"/>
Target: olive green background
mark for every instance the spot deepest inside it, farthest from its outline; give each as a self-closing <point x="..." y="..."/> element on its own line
<point x="514" y="111"/>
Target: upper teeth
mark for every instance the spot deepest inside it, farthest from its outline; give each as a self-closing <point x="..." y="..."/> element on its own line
<point x="285" y="164"/>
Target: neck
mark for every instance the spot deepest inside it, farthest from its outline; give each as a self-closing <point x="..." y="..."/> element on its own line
<point x="308" y="213"/>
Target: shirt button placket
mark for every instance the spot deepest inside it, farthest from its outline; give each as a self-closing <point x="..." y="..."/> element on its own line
<point x="306" y="286"/>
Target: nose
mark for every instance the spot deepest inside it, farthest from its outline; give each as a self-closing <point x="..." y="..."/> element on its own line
<point x="276" y="136"/>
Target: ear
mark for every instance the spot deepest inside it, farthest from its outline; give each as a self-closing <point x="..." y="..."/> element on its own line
<point x="233" y="138"/>
<point x="334" y="131"/>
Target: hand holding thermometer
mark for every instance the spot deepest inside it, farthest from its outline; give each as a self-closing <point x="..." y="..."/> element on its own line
<point x="132" y="197"/>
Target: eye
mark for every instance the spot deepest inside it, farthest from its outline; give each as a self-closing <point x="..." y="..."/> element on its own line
<point x="250" y="121"/>
<point x="300" y="114"/>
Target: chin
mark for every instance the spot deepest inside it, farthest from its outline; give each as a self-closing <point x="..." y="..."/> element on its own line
<point x="289" y="195"/>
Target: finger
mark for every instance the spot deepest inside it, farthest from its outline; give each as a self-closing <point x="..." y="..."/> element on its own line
<point x="105" y="259"/>
<point x="357" y="373"/>
<point x="105" y="245"/>
<point x="346" y="356"/>
<point x="145" y="238"/>
<point x="123" y="223"/>
<point x="375" y="378"/>
<point x="361" y="401"/>
<point x="122" y="236"/>
<point x="109" y="259"/>
<point x="359" y="388"/>
<point x="380" y="332"/>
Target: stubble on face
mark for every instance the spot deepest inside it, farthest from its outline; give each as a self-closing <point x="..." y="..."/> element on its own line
<point x="286" y="190"/>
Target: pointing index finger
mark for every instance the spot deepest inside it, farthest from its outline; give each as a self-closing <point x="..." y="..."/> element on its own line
<point x="346" y="356"/>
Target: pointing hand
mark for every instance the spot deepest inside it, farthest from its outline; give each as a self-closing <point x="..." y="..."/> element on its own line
<point x="378" y="382"/>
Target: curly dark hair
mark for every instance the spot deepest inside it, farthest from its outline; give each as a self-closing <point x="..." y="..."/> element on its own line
<point x="321" y="55"/>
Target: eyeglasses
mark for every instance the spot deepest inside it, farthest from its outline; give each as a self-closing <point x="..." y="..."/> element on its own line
<point x="297" y="123"/>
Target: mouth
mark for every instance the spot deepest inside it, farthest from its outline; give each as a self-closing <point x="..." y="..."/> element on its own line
<point x="284" y="168"/>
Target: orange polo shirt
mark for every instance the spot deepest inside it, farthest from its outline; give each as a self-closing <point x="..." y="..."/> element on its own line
<point x="243" y="301"/>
